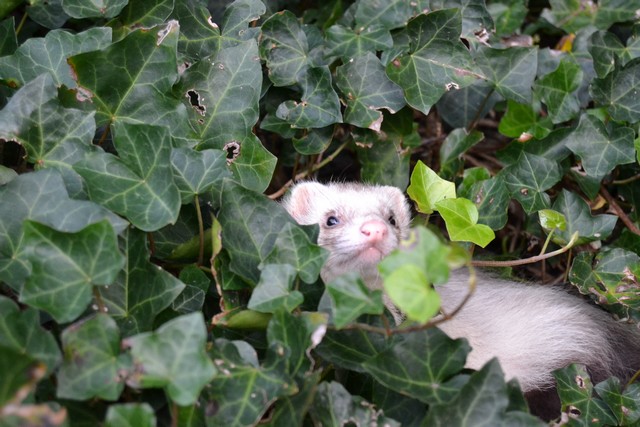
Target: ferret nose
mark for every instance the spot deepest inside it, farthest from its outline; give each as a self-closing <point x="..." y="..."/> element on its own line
<point x="374" y="229"/>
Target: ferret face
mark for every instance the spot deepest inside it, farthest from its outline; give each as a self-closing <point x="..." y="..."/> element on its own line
<point x="359" y="224"/>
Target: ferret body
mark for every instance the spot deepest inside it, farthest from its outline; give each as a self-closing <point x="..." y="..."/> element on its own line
<point x="532" y="330"/>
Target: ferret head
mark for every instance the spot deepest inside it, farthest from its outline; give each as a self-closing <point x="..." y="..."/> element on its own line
<point x="359" y="224"/>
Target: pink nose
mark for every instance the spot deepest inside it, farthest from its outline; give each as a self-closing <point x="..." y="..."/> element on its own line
<point x="374" y="230"/>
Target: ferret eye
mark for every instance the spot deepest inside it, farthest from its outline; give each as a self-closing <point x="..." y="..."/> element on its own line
<point x="332" y="220"/>
<point x="392" y="220"/>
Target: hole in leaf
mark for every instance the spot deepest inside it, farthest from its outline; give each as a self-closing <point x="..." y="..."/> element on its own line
<point x="233" y="151"/>
<point x="196" y="101"/>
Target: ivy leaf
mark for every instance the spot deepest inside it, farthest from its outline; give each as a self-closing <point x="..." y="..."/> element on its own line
<point x="430" y="359"/>
<point x="578" y="217"/>
<point x="97" y="9"/>
<point x="570" y="15"/>
<point x="508" y="16"/>
<point x="40" y="196"/>
<point x="529" y="178"/>
<point x="223" y="93"/>
<point x="273" y="292"/>
<point x="606" y="50"/>
<point x="237" y="21"/>
<point x="576" y="390"/>
<point x="457" y="143"/>
<point x="389" y="15"/>
<point x="9" y="41"/>
<point x="511" y="71"/>
<point x="198" y="37"/>
<point x="476" y="19"/>
<point x="141" y="290"/>
<point x="196" y="172"/>
<point x="48" y="55"/>
<point x="173" y="357"/>
<point x="49" y="14"/>
<point x="92" y="365"/>
<point x="437" y="62"/>
<point x="283" y="44"/>
<point x="251" y="224"/>
<point x="427" y="188"/>
<point x="246" y="390"/>
<point x="492" y="201"/>
<point x="130" y="415"/>
<point x="460" y="108"/>
<point x="146" y="14"/>
<point x="293" y="247"/>
<point x="410" y="290"/>
<point x="53" y="136"/>
<point x="65" y="266"/>
<point x="16" y="371"/>
<point x="551" y="220"/>
<point x="20" y="331"/>
<point x="557" y="90"/>
<point x="366" y="89"/>
<point x="624" y="401"/>
<point x="132" y="80"/>
<point x="319" y="105"/>
<point x="618" y="92"/>
<point x="599" y="148"/>
<point x="351" y="298"/>
<point x="521" y="120"/>
<point x="333" y="405"/>
<point x="461" y="219"/>
<point x="141" y="185"/>
<point x="612" y="11"/>
<point x="348" y="44"/>
<point x="382" y="162"/>
<point x="483" y="399"/>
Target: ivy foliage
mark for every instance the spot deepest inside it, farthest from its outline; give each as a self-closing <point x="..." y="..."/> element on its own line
<point x="148" y="277"/>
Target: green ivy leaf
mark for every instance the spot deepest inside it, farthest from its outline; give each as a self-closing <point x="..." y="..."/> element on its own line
<point x="557" y="90"/>
<point x="92" y="365"/>
<point x="251" y="224"/>
<point x="482" y="400"/>
<point x="410" y="290"/>
<point x="437" y="62"/>
<point x="461" y="219"/>
<point x="382" y="162"/>
<point x="457" y="143"/>
<point x="529" y="178"/>
<point x="508" y="16"/>
<point x="511" y="71"/>
<point x="40" y="196"/>
<point x="606" y="49"/>
<point x="141" y="185"/>
<point x="430" y="359"/>
<point x="16" y="371"/>
<point x="99" y="9"/>
<point x="491" y="198"/>
<point x="576" y="390"/>
<point x="522" y="119"/>
<point x="8" y="39"/>
<point x="274" y="290"/>
<point x="319" y="105"/>
<point x="48" y="55"/>
<point x="146" y="14"/>
<point x="460" y="108"/>
<point x="293" y="247"/>
<point x="283" y="44"/>
<point x="476" y="20"/>
<point x="599" y="148"/>
<point x="579" y="218"/>
<point x="351" y="298"/>
<point x="141" y="290"/>
<point x="618" y="91"/>
<point x="48" y="13"/>
<point x="246" y="390"/>
<point x="53" y="136"/>
<point x="333" y="405"/>
<point x="131" y="80"/>
<point x="130" y="415"/>
<point x="389" y="15"/>
<point x="196" y="172"/>
<point x="624" y="401"/>
<point x="173" y="357"/>
<point x="20" y="331"/>
<point x="551" y="220"/>
<point x="237" y="22"/>
<point x="366" y="89"/>
<point x="612" y="11"/>
<point x="65" y="266"/>
<point x="198" y="37"/>
<point x="570" y="15"/>
<point x="348" y="43"/>
<point x="427" y="188"/>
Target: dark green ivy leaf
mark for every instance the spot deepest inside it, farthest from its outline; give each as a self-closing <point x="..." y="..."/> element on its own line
<point x="511" y="71"/>
<point x="437" y="62"/>
<point x="579" y="218"/>
<point x="618" y="91"/>
<point x="558" y="91"/>
<point x="173" y="357"/>
<point x="130" y="415"/>
<point x="93" y="365"/>
<point x="65" y="267"/>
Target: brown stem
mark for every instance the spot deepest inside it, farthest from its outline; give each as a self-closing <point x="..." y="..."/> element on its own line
<point x="621" y="214"/>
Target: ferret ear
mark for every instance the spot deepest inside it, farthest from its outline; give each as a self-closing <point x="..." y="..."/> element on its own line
<point x="301" y="201"/>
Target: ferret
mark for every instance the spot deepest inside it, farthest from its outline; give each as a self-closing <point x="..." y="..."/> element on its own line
<point x="532" y="330"/>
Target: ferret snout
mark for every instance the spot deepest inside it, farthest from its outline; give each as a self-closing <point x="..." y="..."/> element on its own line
<point x="374" y="230"/>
